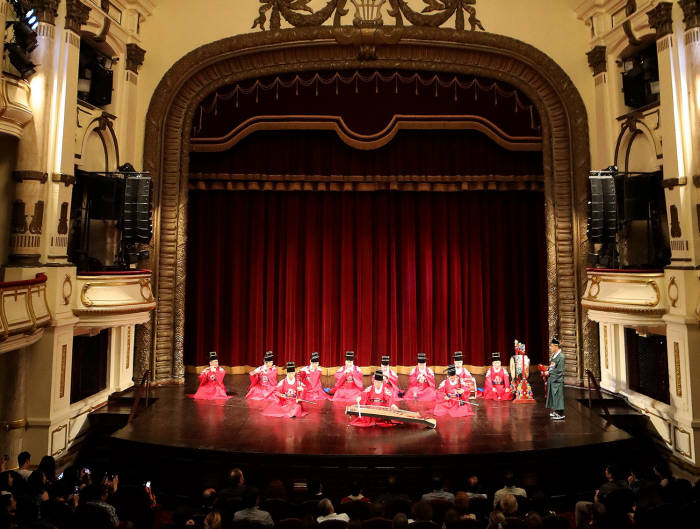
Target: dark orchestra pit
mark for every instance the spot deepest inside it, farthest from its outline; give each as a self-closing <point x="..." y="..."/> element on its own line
<point x="209" y="436"/>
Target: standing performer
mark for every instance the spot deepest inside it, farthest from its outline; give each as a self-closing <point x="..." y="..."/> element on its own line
<point x="348" y="381"/>
<point x="286" y="398"/>
<point x="466" y="378"/>
<point x="519" y="372"/>
<point x="263" y="379"/>
<point x="421" y="382"/>
<point x="378" y="394"/>
<point x="449" y="397"/>
<point x="211" y="381"/>
<point x="555" y="382"/>
<point x="391" y="377"/>
<point x="311" y="377"/>
<point x="497" y="381"/>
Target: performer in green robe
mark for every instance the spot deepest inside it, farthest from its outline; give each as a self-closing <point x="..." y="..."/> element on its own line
<point x="555" y="382"/>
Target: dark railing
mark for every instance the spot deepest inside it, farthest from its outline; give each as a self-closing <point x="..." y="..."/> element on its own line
<point x="145" y="383"/>
<point x="593" y="383"/>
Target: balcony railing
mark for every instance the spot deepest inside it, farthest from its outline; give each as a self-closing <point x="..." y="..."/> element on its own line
<point x="23" y="311"/>
<point x="642" y="293"/>
<point x="113" y="297"/>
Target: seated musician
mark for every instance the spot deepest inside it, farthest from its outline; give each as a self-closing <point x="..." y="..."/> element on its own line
<point x="348" y="381"/>
<point x="287" y="397"/>
<point x="467" y="379"/>
<point x="421" y="382"/>
<point x="391" y="377"/>
<point x="263" y="379"/>
<point x="311" y="377"/>
<point x="497" y="381"/>
<point x="211" y="381"/>
<point x="378" y="394"/>
<point x="449" y="397"/>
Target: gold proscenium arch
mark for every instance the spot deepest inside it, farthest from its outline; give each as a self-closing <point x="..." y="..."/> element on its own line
<point x="566" y="162"/>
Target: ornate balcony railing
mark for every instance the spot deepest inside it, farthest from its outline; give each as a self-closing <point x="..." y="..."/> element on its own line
<point x="113" y="298"/>
<point x="24" y="312"/>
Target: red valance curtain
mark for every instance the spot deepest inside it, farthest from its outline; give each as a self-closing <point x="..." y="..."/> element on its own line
<point x="379" y="273"/>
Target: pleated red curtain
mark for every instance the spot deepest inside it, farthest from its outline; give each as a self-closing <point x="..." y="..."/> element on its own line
<point x="378" y="272"/>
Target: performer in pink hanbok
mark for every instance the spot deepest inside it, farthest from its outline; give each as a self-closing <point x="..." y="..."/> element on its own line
<point x="211" y="381"/>
<point x="421" y="382"/>
<point x="466" y="378"/>
<point x="348" y="381"/>
<point x="449" y="397"/>
<point x="391" y="377"/>
<point x="263" y="379"/>
<point x="310" y="376"/>
<point x="287" y="397"/>
<point x="497" y="381"/>
<point x="378" y="394"/>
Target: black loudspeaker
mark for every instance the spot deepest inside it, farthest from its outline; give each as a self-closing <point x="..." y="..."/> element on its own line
<point x="101" y="86"/>
<point x="138" y="222"/>
<point x="603" y="220"/>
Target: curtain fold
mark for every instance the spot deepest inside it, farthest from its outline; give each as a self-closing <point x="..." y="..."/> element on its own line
<point x="379" y="273"/>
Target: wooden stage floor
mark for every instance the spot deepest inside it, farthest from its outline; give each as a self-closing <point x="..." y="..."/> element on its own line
<point x="237" y="426"/>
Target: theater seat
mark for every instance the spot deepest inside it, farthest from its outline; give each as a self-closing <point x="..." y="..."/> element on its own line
<point x="356" y="510"/>
<point x="440" y="507"/>
<point x="393" y="507"/>
<point x="289" y="523"/>
<point x="280" y="509"/>
<point x="377" y="523"/>
<point x="333" y="524"/>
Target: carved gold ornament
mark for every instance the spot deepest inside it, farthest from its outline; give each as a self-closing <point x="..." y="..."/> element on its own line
<point x="67" y="291"/>
<point x="677" y="362"/>
<point x="595" y="284"/>
<point x="597" y="280"/>
<point x="673" y="293"/>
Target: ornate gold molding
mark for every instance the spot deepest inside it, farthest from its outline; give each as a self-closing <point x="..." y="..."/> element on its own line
<point x="67" y="289"/>
<point x="243" y="57"/>
<point x="16" y="424"/>
<point x="677" y="368"/>
<point x="605" y="341"/>
<point x="62" y="384"/>
<point x="673" y="292"/>
<point x="597" y="280"/>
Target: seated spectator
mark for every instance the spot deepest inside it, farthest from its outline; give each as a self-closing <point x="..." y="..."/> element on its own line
<point x="473" y="487"/>
<point x="508" y="504"/>
<point x="48" y="466"/>
<point x="637" y="478"/>
<point x="400" y="521"/>
<point x="462" y="506"/>
<point x="24" y="462"/>
<point x="327" y="512"/>
<point x="209" y="498"/>
<point x="533" y="520"/>
<point x="614" y="481"/>
<point x="496" y="520"/>
<point x="251" y="512"/>
<point x="355" y="494"/>
<point x="96" y="496"/>
<point x="422" y="511"/>
<point x="236" y="485"/>
<point x="452" y="519"/>
<point x="314" y="490"/>
<point x="509" y="487"/>
<point x="439" y="492"/>
<point x="393" y="491"/>
<point x="212" y="521"/>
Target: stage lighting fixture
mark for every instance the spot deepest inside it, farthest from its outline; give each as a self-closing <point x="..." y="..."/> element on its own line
<point x="25" y="38"/>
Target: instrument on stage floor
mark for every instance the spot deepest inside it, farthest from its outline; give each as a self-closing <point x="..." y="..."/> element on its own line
<point x="382" y="412"/>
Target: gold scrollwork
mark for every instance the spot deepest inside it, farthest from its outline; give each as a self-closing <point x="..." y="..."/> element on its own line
<point x="680" y="450"/>
<point x="595" y="283"/>
<point x="16" y="424"/>
<point x="67" y="292"/>
<point x="672" y="285"/>
<point x="605" y="340"/>
<point x="677" y="362"/>
<point x="146" y="286"/>
<point x="55" y="431"/>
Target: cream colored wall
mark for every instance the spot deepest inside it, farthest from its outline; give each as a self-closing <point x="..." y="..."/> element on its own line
<point x="8" y="158"/>
<point x="179" y="26"/>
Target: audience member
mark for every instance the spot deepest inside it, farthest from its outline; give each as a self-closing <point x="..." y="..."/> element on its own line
<point x="422" y="511"/>
<point x="439" y="491"/>
<point x="327" y="512"/>
<point x="613" y="481"/>
<point x="212" y="521"/>
<point x="508" y="504"/>
<point x="251" y="512"/>
<point x="400" y="521"/>
<point x="275" y="490"/>
<point x="496" y="520"/>
<point x="24" y="462"/>
<point x="355" y="494"/>
<point x="236" y="485"/>
<point x="509" y="487"/>
<point x="314" y="490"/>
<point x="96" y="496"/>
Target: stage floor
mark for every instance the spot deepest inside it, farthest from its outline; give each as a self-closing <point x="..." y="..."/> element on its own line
<point x="236" y="426"/>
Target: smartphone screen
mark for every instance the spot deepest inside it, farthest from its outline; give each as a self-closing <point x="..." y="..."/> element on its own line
<point x="60" y="476"/>
<point x="148" y="484"/>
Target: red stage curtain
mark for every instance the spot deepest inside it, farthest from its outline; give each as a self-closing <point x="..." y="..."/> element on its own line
<point x="379" y="273"/>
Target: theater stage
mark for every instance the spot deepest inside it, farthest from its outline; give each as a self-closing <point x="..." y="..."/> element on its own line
<point x="195" y="436"/>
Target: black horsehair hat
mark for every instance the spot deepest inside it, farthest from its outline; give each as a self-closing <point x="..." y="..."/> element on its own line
<point x="315" y="357"/>
<point x="451" y="370"/>
<point x="291" y="367"/>
<point x="495" y="356"/>
<point x="212" y="356"/>
<point x="458" y="355"/>
<point x="378" y="375"/>
<point x="385" y="360"/>
<point x="555" y="340"/>
<point x="349" y="355"/>
<point x="421" y="358"/>
<point x="269" y="356"/>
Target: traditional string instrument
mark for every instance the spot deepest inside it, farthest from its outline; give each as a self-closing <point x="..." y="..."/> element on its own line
<point x="382" y="412"/>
